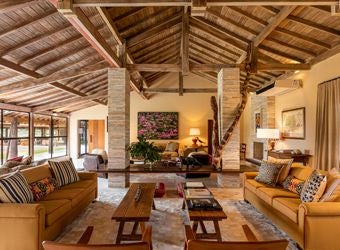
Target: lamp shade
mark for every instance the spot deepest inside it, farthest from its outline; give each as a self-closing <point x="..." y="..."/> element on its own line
<point x="194" y="131"/>
<point x="268" y="133"/>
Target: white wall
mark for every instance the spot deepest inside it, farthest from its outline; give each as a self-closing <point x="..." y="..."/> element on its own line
<point x="194" y="110"/>
<point x="98" y="112"/>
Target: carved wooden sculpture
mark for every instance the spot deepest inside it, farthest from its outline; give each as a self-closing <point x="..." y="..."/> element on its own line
<point x="219" y="146"/>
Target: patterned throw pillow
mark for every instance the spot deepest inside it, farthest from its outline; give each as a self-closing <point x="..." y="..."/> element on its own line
<point x="27" y="160"/>
<point x="14" y="189"/>
<point x="17" y="158"/>
<point x="287" y="163"/>
<point x="11" y="164"/>
<point x="268" y="173"/>
<point x="171" y="147"/>
<point x="64" y="172"/>
<point x="43" y="187"/>
<point x="314" y="187"/>
<point x="293" y="184"/>
<point x="333" y="183"/>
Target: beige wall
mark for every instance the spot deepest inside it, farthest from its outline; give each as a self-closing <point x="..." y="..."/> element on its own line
<point x="305" y="97"/>
<point x="194" y="110"/>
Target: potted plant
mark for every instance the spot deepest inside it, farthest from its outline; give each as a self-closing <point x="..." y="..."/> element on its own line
<point x="145" y="149"/>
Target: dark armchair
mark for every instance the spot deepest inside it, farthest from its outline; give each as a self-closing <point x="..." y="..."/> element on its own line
<point x="95" y="162"/>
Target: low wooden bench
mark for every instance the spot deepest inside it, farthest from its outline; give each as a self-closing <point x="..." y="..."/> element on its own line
<point x="136" y="211"/>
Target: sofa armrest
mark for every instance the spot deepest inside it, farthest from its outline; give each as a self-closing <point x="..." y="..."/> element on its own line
<point x="319" y="223"/>
<point x="87" y="176"/>
<point x="14" y="210"/>
<point x="320" y="209"/>
<point x="26" y="221"/>
<point x="250" y="175"/>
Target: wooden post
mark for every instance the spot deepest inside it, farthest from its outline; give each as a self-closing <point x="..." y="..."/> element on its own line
<point x="180" y="83"/>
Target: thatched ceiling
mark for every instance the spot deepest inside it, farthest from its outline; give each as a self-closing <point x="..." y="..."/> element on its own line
<point x="49" y="63"/>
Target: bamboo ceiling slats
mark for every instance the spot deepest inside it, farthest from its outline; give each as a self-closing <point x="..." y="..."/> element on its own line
<point x="40" y="40"/>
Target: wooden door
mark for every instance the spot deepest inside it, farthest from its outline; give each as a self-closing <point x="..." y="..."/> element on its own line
<point x="95" y="134"/>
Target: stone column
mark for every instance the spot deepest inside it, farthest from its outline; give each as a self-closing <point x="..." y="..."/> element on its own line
<point x="229" y="97"/>
<point x="118" y="124"/>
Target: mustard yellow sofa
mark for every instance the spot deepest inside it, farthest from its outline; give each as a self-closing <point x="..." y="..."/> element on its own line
<point x="26" y="226"/>
<point x="313" y="225"/>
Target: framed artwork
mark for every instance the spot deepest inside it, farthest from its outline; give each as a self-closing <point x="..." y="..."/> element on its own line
<point x="158" y="125"/>
<point x="257" y="120"/>
<point x="293" y="123"/>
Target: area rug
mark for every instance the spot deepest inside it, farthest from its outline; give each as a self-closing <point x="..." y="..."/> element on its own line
<point x="168" y="220"/>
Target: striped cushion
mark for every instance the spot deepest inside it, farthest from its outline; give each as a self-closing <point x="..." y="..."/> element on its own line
<point x="14" y="189"/>
<point x="64" y="172"/>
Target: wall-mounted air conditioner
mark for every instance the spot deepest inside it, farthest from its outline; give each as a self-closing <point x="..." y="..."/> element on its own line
<point x="279" y="87"/>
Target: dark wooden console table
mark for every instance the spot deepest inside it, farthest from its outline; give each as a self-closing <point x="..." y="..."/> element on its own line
<point x="142" y="169"/>
<point x="287" y="154"/>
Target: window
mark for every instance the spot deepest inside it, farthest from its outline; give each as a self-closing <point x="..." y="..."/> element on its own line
<point x="50" y="137"/>
<point x="14" y="136"/>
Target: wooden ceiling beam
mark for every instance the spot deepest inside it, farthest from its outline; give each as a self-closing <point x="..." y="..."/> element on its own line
<point x="217" y="35"/>
<point x="153" y="31"/>
<point x="281" y="53"/>
<point x="205" y="54"/>
<point x="114" y="31"/>
<point x="158" y="51"/>
<point x="188" y="3"/>
<point x="291" y="46"/>
<point x="127" y="14"/>
<point x="17" y="68"/>
<point x="172" y="37"/>
<point x="163" y="55"/>
<point x="92" y="89"/>
<point x="323" y="56"/>
<point x="282" y="67"/>
<point x="176" y="90"/>
<point x="231" y="21"/>
<point x="35" y="39"/>
<point x="136" y="25"/>
<point x="230" y="59"/>
<point x="185" y="44"/>
<point x="63" y="56"/>
<point x="198" y="67"/>
<point x="302" y="37"/>
<point x="205" y="76"/>
<point x="21" y="25"/>
<point x="274" y="23"/>
<point x="52" y="48"/>
<point x="314" y="25"/>
<point x="53" y="77"/>
<point x="230" y="34"/>
<point x="248" y="15"/>
<point x="213" y="44"/>
<point x="62" y="103"/>
<point x="11" y="5"/>
<point x="82" y="23"/>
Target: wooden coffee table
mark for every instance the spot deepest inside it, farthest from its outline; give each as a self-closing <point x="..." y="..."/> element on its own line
<point x="201" y="216"/>
<point x="137" y="212"/>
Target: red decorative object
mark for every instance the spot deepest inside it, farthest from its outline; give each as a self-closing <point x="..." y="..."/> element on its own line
<point x="160" y="190"/>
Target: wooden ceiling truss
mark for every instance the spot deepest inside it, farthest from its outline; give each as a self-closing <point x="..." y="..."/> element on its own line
<point x="56" y="58"/>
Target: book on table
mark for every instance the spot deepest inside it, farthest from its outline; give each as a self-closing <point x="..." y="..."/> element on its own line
<point x="197" y="193"/>
<point x="204" y="204"/>
<point x="194" y="184"/>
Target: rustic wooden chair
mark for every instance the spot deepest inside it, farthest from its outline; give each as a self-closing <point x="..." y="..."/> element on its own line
<point x="252" y="243"/>
<point x="145" y="244"/>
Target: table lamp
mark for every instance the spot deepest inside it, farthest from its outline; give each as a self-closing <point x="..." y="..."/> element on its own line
<point x="272" y="135"/>
<point x="194" y="132"/>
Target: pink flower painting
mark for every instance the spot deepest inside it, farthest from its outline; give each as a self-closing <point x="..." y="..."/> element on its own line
<point x="158" y="125"/>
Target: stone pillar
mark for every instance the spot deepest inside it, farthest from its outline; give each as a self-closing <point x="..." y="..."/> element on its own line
<point x="118" y="124"/>
<point x="229" y="97"/>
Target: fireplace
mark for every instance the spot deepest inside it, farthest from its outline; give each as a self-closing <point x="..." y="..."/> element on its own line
<point x="258" y="150"/>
